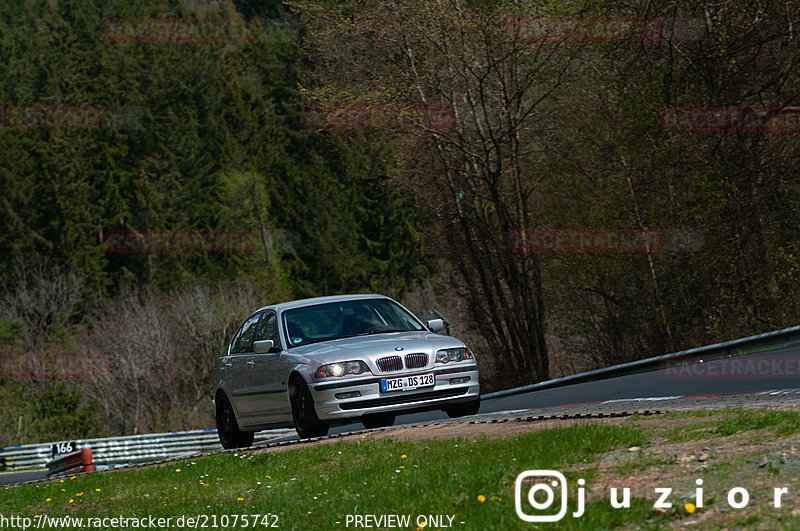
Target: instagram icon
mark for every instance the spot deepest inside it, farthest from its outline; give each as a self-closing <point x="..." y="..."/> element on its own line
<point x="547" y="488"/>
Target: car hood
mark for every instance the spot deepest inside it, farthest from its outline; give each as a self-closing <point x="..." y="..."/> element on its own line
<point x="378" y="344"/>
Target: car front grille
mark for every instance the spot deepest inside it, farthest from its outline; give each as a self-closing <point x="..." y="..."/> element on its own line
<point x="416" y="361"/>
<point x="390" y="364"/>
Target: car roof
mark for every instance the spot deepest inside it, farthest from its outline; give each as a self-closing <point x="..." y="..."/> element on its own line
<point x="321" y="300"/>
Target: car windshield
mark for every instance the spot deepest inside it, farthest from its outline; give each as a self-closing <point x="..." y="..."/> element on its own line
<point x="336" y="320"/>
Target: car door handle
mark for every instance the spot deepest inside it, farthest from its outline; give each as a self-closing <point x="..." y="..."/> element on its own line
<point x="250" y="363"/>
<point x="227" y="363"/>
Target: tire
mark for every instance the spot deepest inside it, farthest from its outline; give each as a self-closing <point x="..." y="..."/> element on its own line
<point x="461" y="410"/>
<point x="378" y="420"/>
<point x="230" y="436"/>
<point x="306" y="421"/>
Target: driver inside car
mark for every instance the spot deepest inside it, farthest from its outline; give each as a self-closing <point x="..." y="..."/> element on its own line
<point x="361" y="321"/>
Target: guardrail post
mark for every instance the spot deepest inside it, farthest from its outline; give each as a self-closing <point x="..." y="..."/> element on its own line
<point x="72" y="463"/>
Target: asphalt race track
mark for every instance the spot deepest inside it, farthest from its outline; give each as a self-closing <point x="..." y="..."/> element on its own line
<point x="777" y="370"/>
<point x="768" y="377"/>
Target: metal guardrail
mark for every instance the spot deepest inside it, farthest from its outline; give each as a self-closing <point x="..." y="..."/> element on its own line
<point x="136" y="449"/>
<point x="71" y="463"/>
<point x="747" y="345"/>
<point x="121" y="451"/>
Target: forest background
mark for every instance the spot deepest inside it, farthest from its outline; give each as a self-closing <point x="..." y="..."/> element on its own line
<point x="598" y="116"/>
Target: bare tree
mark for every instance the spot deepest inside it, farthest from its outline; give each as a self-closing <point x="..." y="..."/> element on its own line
<point x="160" y="349"/>
<point x="478" y="179"/>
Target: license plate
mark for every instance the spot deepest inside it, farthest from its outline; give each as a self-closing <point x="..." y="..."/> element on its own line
<point x="407" y="383"/>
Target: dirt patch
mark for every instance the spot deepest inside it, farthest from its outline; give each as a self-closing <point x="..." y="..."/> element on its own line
<point x="703" y="472"/>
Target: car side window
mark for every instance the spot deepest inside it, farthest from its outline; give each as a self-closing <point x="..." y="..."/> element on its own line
<point x="268" y="329"/>
<point x="244" y="339"/>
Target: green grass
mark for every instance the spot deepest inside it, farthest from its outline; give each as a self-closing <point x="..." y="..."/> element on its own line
<point x="733" y="420"/>
<point x="319" y="486"/>
<point x="781" y="422"/>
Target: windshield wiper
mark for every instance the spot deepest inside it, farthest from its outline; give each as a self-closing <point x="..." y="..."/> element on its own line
<point x="370" y="332"/>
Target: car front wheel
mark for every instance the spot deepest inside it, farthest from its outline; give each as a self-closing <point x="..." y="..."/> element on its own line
<point x="306" y="421"/>
<point x="230" y="436"/>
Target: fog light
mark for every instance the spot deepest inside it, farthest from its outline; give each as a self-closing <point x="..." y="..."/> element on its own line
<point x="461" y="380"/>
<point x="351" y="394"/>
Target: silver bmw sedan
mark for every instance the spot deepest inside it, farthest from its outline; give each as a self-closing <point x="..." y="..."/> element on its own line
<point x="319" y="362"/>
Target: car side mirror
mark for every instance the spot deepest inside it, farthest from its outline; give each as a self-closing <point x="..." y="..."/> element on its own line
<point x="436" y="325"/>
<point x="262" y="347"/>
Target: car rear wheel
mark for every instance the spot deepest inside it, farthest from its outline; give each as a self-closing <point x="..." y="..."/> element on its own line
<point x="306" y="421"/>
<point x="461" y="410"/>
<point x="230" y="436"/>
<point x="377" y="420"/>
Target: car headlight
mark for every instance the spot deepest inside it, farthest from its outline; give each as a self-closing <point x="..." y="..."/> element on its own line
<point x="454" y="354"/>
<point x="344" y="368"/>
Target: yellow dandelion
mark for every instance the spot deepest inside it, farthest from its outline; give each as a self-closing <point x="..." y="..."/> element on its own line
<point x="62" y="481"/>
<point x="690" y="508"/>
<point x="239" y="499"/>
<point x="481" y="498"/>
<point x="177" y="470"/>
<point x="63" y="490"/>
<point x="267" y="477"/>
<point x="48" y="499"/>
<point x="73" y="477"/>
<point x="79" y="494"/>
<point x="403" y="456"/>
<point x="97" y="490"/>
<point x="71" y="500"/>
<point x="401" y="466"/>
<point x="36" y="516"/>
